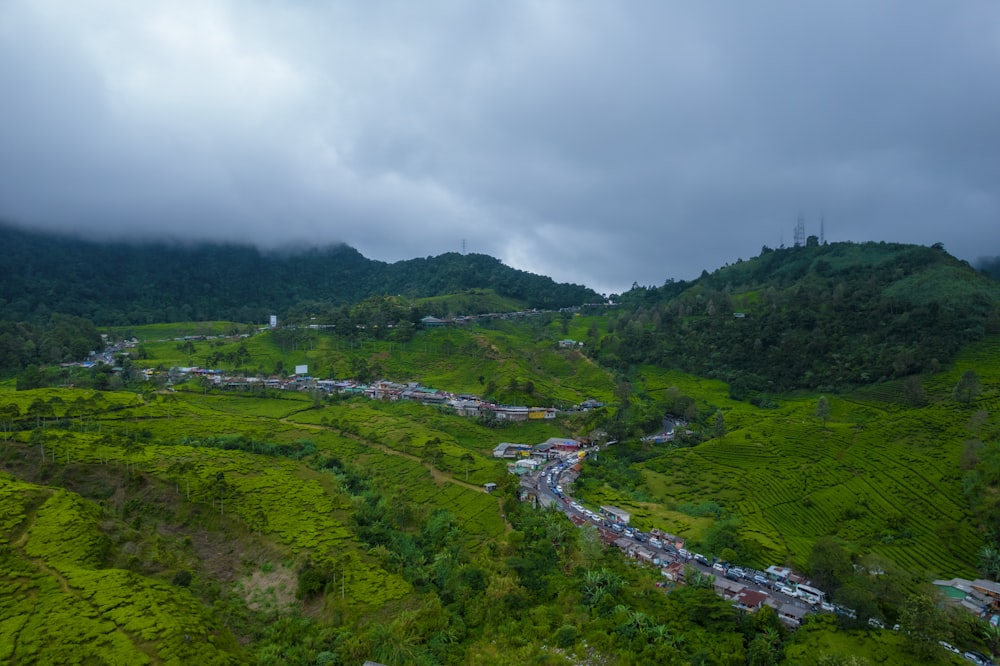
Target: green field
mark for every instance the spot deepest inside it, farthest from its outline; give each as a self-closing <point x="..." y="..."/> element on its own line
<point x="172" y="526"/>
<point x="880" y="476"/>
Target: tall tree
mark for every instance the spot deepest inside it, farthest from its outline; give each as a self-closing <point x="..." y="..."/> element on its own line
<point x="967" y="388"/>
<point x="923" y="624"/>
<point x="823" y="409"/>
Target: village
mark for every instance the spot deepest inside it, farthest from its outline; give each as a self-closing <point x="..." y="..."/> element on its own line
<point x="547" y="471"/>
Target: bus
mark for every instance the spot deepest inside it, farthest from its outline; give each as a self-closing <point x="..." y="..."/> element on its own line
<point x="809" y="594"/>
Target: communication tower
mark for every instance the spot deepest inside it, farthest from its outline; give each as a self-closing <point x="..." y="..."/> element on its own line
<point x="800" y="233"/>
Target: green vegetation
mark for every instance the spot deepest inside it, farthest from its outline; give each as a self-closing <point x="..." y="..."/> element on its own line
<point x="181" y="523"/>
<point x="826" y="318"/>
<point x="118" y="284"/>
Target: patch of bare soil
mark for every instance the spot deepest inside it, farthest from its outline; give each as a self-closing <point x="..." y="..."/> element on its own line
<point x="269" y="588"/>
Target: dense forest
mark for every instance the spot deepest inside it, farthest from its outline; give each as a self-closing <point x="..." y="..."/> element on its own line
<point x="825" y="317"/>
<point x="136" y="283"/>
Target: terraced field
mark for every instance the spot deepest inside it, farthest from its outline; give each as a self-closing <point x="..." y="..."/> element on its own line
<point x="58" y="607"/>
<point x="881" y="476"/>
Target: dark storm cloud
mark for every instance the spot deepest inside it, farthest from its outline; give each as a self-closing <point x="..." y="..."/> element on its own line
<point x="600" y="143"/>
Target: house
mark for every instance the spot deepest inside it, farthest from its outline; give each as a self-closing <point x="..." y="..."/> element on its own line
<point x="562" y="444"/>
<point x="433" y="322"/>
<point x="964" y="593"/>
<point x="608" y="537"/>
<point x="751" y="600"/>
<point x="779" y="574"/>
<point x="529" y="463"/>
<point x="673" y="572"/>
<point x="511" y="413"/>
<point x="989" y="589"/>
<point x="616" y="514"/>
<point x="791" y="614"/>
<point x="508" y="450"/>
<point x="569" y="344"/>
<point x="489" y="487"/>
<point x="727" y="589"/>
<point x="466" y="406"/>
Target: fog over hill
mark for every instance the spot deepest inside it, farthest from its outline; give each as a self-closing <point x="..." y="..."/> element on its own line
<point x="599" y="144"/>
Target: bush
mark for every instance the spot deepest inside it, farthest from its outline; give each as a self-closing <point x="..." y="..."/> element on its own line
<point x="565" y="636"/>
<point x="182" y="578"/>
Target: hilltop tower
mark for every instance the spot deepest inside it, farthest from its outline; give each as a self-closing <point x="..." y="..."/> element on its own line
<point x="800" y="233"/>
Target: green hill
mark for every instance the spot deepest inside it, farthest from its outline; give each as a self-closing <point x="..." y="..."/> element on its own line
<point x="183" y="524"/>
<point x="140" y="283"/>
<point x="828" y="318"/>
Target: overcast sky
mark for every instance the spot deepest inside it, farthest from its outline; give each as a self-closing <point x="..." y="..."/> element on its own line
<point x="596" y="142"/>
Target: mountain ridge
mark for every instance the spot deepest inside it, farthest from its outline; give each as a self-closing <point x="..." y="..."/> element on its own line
<point x="114" y="283"/>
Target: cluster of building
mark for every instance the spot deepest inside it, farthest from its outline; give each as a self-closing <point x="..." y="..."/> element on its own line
<point x="462" y="404"/>
<point x="980" y="597"/>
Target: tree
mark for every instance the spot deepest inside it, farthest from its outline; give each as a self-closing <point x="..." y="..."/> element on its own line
<point x="967" y="388"/>
<point x="468" y="460"/>
<point x="924" y="624"/>
<point x="433" y="453"/>
<point x="989" y="561"/>
<point x="40" y="410"/>
<point x="720" y="424"/>
<point x="914" y="392"/>
<point x="829" y="564"/>
<point x="823" y="409"/>
<point x="30" y="378"/>
<point x="991" y="634"/>
<point x="8" y="414"/>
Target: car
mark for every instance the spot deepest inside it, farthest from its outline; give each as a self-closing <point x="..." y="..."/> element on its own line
<point x="949" y="647"/>
<point x="655" y="543"/>
<point x="701" y="559"/>
<point x="784" y="589"/>
<point x="594" y="517"/>
<point x="718" y="567"/>
<point x="683" y="553"/>
<point x="760" y="580"/>
<point x="738" y="572"/>
<point x="977" y="658"/>
<point x="617" y="527"/>
<point x="826" y="606"/>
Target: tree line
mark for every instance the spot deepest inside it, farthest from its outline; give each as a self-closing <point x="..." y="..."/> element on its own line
<point x="824" y="318"/>
<point x="140" y="283"/>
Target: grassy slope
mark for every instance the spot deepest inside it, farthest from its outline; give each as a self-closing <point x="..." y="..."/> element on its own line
<point x="462" y="360"/>
<point x="880" y="475"/>
<point x="297" y="510"/>
<point x="58" y="606"/>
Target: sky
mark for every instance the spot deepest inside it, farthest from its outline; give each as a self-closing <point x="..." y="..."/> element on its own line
<point x="596" y="142"/>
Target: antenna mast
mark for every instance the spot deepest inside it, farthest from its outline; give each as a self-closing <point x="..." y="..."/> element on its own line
<point x="800" y="232"/>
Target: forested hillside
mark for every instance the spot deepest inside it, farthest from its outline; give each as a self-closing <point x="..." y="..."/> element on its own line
<point x="154" y="515"/>
<point x="825" y="317"/>
<point x="134" y="283"/>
